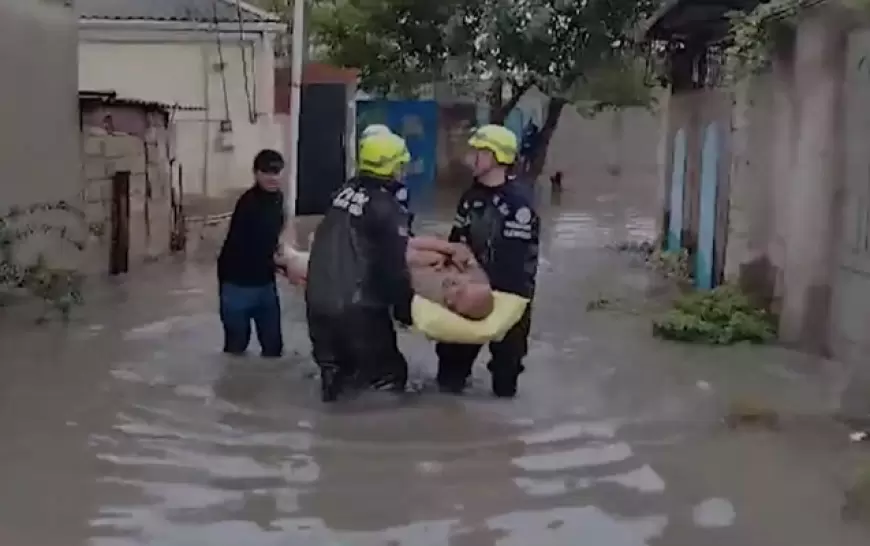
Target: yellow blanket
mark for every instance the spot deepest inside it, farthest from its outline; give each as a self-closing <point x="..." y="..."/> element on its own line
<point x="441" y="324"/>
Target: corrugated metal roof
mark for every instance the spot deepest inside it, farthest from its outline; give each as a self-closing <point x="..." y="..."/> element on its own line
<point x="112" y="98"/>
<point x="225" y="11"/>
<point x="681" y="18"/>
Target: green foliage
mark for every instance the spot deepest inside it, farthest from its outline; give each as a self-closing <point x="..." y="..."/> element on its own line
<point x="672" y="264"/>
<point x="753" y="36"/>
<point x="59" y="289"/>
<point x="620" y="83"/>
<point x="401" y="44"/>
<point x="398" y="45"/>
<point x="719" y="317"/>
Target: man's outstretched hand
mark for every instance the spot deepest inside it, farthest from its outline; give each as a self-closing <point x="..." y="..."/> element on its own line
<point x="294" y="278"/>
<point x="285" y="269"/>
<point x="461" y="256"/>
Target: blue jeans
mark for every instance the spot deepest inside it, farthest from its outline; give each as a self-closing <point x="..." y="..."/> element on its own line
<point x="239" y="305"/>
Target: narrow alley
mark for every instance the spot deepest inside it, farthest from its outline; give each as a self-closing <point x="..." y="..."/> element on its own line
<point x="129" y="427"/>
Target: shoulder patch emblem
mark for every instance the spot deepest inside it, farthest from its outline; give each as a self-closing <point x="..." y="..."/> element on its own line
<point x="523" y="215"/>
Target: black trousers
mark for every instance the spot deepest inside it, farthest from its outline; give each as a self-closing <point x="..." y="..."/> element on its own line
<point x="455" y="361"/>
<point x="359" y="345"/>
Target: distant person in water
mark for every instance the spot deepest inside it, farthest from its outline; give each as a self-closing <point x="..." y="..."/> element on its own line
<point x="529" y="147"/>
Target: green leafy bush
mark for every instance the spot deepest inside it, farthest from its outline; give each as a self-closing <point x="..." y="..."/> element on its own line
<point x="719" y="317"/>
<point x="672" y="264"/>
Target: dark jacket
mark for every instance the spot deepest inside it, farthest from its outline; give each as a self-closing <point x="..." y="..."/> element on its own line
<point x="357" y="257"/>
<point x="502" y="229"/>
<point x="400" y="192"/>
<point x="247" y="257"/>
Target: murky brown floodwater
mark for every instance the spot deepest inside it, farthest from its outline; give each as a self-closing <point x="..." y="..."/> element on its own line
<point x="129" y="428"/>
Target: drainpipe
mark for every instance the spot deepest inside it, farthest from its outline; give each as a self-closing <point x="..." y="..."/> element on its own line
<point x="812" y="216"/>
<point x="206" y="137"/>
<point x="295" y="105"/>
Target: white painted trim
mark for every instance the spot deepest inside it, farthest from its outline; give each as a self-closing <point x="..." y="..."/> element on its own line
<point x="137" y="36"/>
<point x="147" y="24"/>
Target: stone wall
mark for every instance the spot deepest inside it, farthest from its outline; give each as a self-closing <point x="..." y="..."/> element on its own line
<point x="798" y="173"/>
<point x="751" y="259"/>
<point x="150" y="219"/>
<point x="621" y="143"/>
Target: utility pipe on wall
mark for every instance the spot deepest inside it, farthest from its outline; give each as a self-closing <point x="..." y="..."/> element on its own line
<point x="296" y="54"/>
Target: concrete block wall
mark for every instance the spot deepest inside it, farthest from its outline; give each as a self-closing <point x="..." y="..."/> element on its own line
<point x="104" y="155"/>
<point x="751" y="218"/>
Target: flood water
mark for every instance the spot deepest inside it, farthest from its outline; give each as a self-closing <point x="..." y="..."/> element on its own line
<point x="129" y="428"/>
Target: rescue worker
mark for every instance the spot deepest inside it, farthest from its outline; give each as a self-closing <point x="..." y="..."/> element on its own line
<point x="246" y="266"/>
<point x="496" y="220"/>
<point x="396" y="187"/>
<point x="358" y="276"/>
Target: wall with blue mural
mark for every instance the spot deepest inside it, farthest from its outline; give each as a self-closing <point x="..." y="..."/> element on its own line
<point x="417" y="122"/>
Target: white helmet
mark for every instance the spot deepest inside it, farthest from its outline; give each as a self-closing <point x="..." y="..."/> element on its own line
<point x="376" y="129"/>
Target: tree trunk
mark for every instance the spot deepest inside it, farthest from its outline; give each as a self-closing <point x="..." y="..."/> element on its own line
<point x="499" y="114"/>
<point x="554" y="110"/>
<point x="495" y="100"/>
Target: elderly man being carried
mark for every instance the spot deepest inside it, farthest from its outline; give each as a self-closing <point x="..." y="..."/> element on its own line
<point x="447" y="274"/>
<point x="441" y="272"/>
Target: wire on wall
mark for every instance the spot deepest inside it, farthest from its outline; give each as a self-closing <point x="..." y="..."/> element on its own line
<point x="252" y="107"/>
<point x="223" y="65"/>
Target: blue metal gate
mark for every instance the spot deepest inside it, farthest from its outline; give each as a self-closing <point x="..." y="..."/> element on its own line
<point x="704" y="274"/>
<point x="417" y="122"/>
<point x="678" y="183"/>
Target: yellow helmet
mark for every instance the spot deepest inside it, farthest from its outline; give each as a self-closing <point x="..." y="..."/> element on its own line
<point x="383" y="154"/>
<point x="499" y="140"/>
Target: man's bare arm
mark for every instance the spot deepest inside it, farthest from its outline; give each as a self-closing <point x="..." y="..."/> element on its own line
<point x="433" y="244"/>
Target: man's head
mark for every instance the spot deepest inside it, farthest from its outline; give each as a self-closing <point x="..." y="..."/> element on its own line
<point x="268" y="166"/>
<point x="463" y="296"/>
<point x="383" y="155"/>
<point x="493" y="148"/>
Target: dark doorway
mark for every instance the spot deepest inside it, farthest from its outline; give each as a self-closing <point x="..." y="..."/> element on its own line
<point x="119" y="251"/>
<point x="322" y="136"/>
